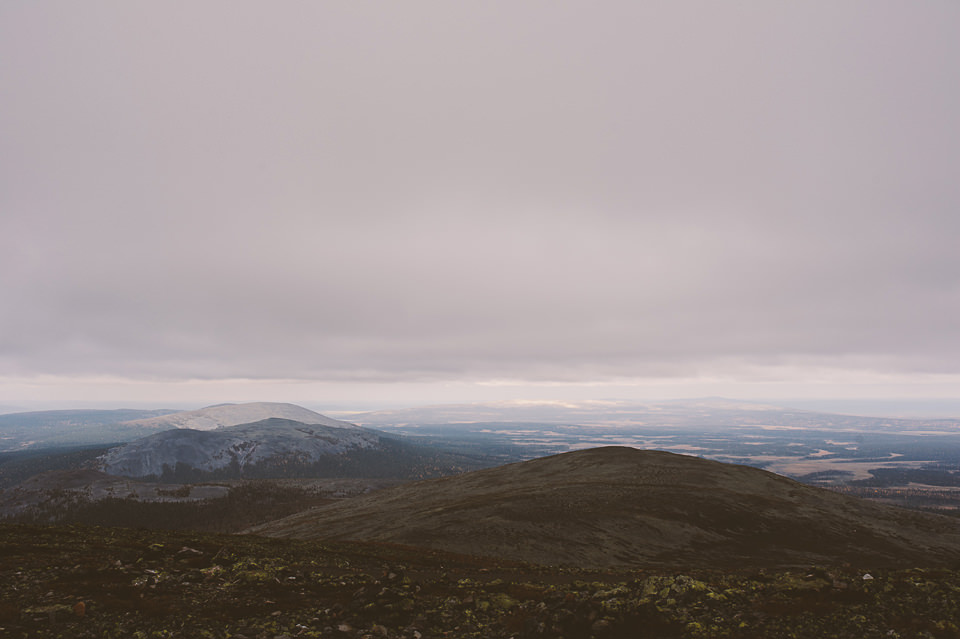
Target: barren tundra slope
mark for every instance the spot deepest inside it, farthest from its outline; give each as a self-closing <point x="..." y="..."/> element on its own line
<point x="116" y="583"/>
<point x="622" y="507"/>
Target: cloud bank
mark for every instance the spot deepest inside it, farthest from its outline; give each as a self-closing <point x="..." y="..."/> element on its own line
<point x="544" y="192"/>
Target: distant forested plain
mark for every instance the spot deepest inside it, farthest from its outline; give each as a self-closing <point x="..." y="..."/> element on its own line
<point x="795" y="452"/>
<point x="71" y="428"/>
<point x="912" y="468"/>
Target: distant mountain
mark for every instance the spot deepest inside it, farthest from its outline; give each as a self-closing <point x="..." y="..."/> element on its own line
<point x="43" y="429"/>
<point x="233" y="448"/>
<point x="276" y="447"/>
<point x="63" y="428"/>
<point x="223" y="415"/>
<point x="622" y="507"/>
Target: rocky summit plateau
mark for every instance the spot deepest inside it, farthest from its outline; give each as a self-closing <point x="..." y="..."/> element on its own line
<point x="273" y="440"/>
<point x="279" y="448"/>
<point x="617" y="507"/>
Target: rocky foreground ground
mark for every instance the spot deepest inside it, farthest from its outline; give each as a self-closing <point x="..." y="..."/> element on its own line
<point x="116" y="582"/>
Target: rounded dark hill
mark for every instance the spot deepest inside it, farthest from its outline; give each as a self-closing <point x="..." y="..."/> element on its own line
<point x="623" y="507"/>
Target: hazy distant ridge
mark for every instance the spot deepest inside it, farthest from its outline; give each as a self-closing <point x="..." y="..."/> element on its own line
<point x="223" y="415"/>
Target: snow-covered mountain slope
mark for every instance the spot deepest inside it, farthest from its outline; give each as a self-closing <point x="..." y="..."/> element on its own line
<point x="223" y="415"/>
<point x="273" y="441"/>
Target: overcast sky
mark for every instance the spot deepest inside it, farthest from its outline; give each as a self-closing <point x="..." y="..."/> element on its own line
<point x="435" y="201"/>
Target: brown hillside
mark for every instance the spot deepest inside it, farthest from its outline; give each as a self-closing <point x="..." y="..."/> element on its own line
<point x="622" y="507"/>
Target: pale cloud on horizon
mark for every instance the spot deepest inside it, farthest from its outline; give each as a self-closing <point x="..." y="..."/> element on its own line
<point x="444" y="195"/>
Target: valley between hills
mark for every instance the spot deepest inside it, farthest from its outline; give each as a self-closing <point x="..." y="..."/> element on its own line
<point x="353" y="531"/>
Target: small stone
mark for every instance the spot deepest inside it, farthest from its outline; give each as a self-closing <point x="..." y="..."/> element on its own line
<point x="867" y="577"/>
<point x="600" y="626"/>
<point x="79" y="609"/>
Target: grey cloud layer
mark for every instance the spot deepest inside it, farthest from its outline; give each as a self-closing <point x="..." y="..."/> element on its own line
<point x="530" y="190"/>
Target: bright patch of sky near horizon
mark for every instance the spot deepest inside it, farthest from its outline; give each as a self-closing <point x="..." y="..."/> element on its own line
<point x="427" y="201"/>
